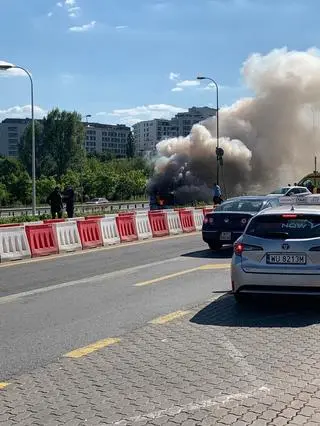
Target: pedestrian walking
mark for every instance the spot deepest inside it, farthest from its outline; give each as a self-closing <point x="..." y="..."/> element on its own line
<point x="55" y="201"/>
<point x="69" y="200"/>
<point x="217" y="194"/>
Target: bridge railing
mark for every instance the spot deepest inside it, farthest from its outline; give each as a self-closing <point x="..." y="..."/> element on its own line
<point x="81" y="209"/>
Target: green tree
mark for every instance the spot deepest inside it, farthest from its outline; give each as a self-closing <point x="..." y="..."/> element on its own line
<point x="130" y="150"/>
<point x="25" y="148"/>
<point x="63" y="140"/>
<point x="45" y="185"/>
<point x="16" y="181"/>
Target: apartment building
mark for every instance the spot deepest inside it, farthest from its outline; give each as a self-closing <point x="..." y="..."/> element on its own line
<point x="11" y="131"/>
<point x="148" y="133"/>
<point x="107" y="138"/>
<point x="98" y="137"/>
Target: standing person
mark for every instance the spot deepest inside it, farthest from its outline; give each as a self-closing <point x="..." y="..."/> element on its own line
<point x="217" y="194"/>
<point x="55" y="201"/>
<point x="69" y="200"/>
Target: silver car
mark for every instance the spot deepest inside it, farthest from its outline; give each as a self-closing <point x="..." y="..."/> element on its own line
<point x="279" y="252"/>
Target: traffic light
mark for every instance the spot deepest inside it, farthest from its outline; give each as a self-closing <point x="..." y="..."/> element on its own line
<point x="219" y="154"/>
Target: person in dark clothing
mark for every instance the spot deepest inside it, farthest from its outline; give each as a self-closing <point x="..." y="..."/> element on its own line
<point x="55" y="201"/>
<point x="69" y="200"/>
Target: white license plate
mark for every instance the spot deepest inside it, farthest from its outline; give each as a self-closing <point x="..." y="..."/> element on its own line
<point x="286" y="259"/>
<point x="225" y="236"/>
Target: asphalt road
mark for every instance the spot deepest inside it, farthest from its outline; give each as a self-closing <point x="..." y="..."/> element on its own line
<point x="49" y="307"/>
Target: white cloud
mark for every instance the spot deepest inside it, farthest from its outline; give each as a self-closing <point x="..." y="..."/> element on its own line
<point x="177" y="89"/>
<point x="14" y="72"/>
<point x="173" y="76"/>
<point x="59" y="4"/>
<point x="22" y="112"/>
<point x="131" y="116"/>
<point x="50" y="14"/>
<point x="121" y="27"/>
<point x="83" y="28"/>
<point x="74" y="12"/>
<point x="188" y="83"/>
<point x="70" y="2"/>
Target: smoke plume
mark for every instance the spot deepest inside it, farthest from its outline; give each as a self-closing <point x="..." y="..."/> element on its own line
<point x="268" y="140"/>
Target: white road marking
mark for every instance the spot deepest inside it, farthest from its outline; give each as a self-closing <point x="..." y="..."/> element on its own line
<point x="194" y="406"/>
<point x="93" y="279"/>
<point x="236" y="355"/>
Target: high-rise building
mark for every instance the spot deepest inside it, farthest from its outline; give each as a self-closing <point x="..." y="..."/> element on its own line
<point x="98" y="137"/>
<point x="109" y="138"/>
<point x="148" y="133"/>
<point x="11" y="131"/>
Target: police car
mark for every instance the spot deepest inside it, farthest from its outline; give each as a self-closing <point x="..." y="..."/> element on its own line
<point x="279" y="251"/>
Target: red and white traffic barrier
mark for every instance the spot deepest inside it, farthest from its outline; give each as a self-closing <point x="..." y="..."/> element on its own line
<point x="14" y="244"/>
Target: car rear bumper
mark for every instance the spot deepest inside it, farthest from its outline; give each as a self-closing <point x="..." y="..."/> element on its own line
<point x="210" y="236"/>
<point x="245" y="282"/>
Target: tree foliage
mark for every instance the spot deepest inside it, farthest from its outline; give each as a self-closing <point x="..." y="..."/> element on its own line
<point x="59" y="144"/>
<point x="61" y="160"/>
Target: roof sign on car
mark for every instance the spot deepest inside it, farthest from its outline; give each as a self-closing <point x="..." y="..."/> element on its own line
<point x="312" y="199"/>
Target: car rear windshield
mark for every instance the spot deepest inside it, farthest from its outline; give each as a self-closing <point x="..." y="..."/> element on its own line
<point x="285" y="226"/>
<point x="240" y="206"/>
<point x="280" y="191"/>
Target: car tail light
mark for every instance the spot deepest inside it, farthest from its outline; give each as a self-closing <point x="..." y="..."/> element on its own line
<point x="289" y="216"/>
<point x="239" y="248"/>
<point x="207" y="220"/>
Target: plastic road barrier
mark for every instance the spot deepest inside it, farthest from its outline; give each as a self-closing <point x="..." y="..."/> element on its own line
<point x="42" y="239"/>
<point x="159" y="223"/>
<point x="10" y="225"/>
<point x="198" y="217"/>
<point x="109" y="230"/>
<point x="187" y="220"/>
<point x="13" y="244"/>
<point x="127" y="228"/>
<point x="143" y="226"/>
<point x="68" y="237"/>
<point x="174" y="223"/>
<point x="208" y="210"/>
<point x="53" y="220"/>
<point x="90" y="233"/>
<point x="93" y="217"/>
<point x="36" y="222"/>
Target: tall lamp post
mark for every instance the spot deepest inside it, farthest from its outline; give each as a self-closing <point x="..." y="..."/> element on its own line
<point x="219" y="151"/>
<point x="6" y="67"/>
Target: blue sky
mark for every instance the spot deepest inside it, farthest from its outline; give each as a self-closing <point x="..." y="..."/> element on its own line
<point x="129" y="60"/>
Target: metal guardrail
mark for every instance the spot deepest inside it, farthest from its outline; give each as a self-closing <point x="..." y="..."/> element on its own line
<point x="81" y="209"/>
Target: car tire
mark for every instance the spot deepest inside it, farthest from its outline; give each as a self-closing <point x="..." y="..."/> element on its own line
<point x="216" y="245"/>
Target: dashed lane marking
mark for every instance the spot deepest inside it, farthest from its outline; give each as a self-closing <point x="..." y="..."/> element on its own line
<point x="169" y="317"/>
<point x="101" y="249"/>
<point x="3" y="385"/>
<point x="86" y="350"/>
<point x="184" y="272"/>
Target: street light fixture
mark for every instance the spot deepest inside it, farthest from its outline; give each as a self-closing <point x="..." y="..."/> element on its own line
<point x="7" y="67"/>
<point x="219" y="151"/>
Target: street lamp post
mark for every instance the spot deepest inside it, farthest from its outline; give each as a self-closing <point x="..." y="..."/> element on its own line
<point x="6" y="67"/>
<point x="219" y="152"/>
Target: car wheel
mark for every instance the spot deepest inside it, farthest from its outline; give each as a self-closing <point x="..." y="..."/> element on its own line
<point x="216" y="245"/>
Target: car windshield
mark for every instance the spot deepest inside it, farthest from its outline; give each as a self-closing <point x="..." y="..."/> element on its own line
<point x="280" y="191"/>
<point x="95" y="199"/>
<point x="287" y="226"/>
<point x="240" y="206"/>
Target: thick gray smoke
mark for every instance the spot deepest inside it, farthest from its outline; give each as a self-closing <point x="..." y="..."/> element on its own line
<point x="268" y="140"/>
